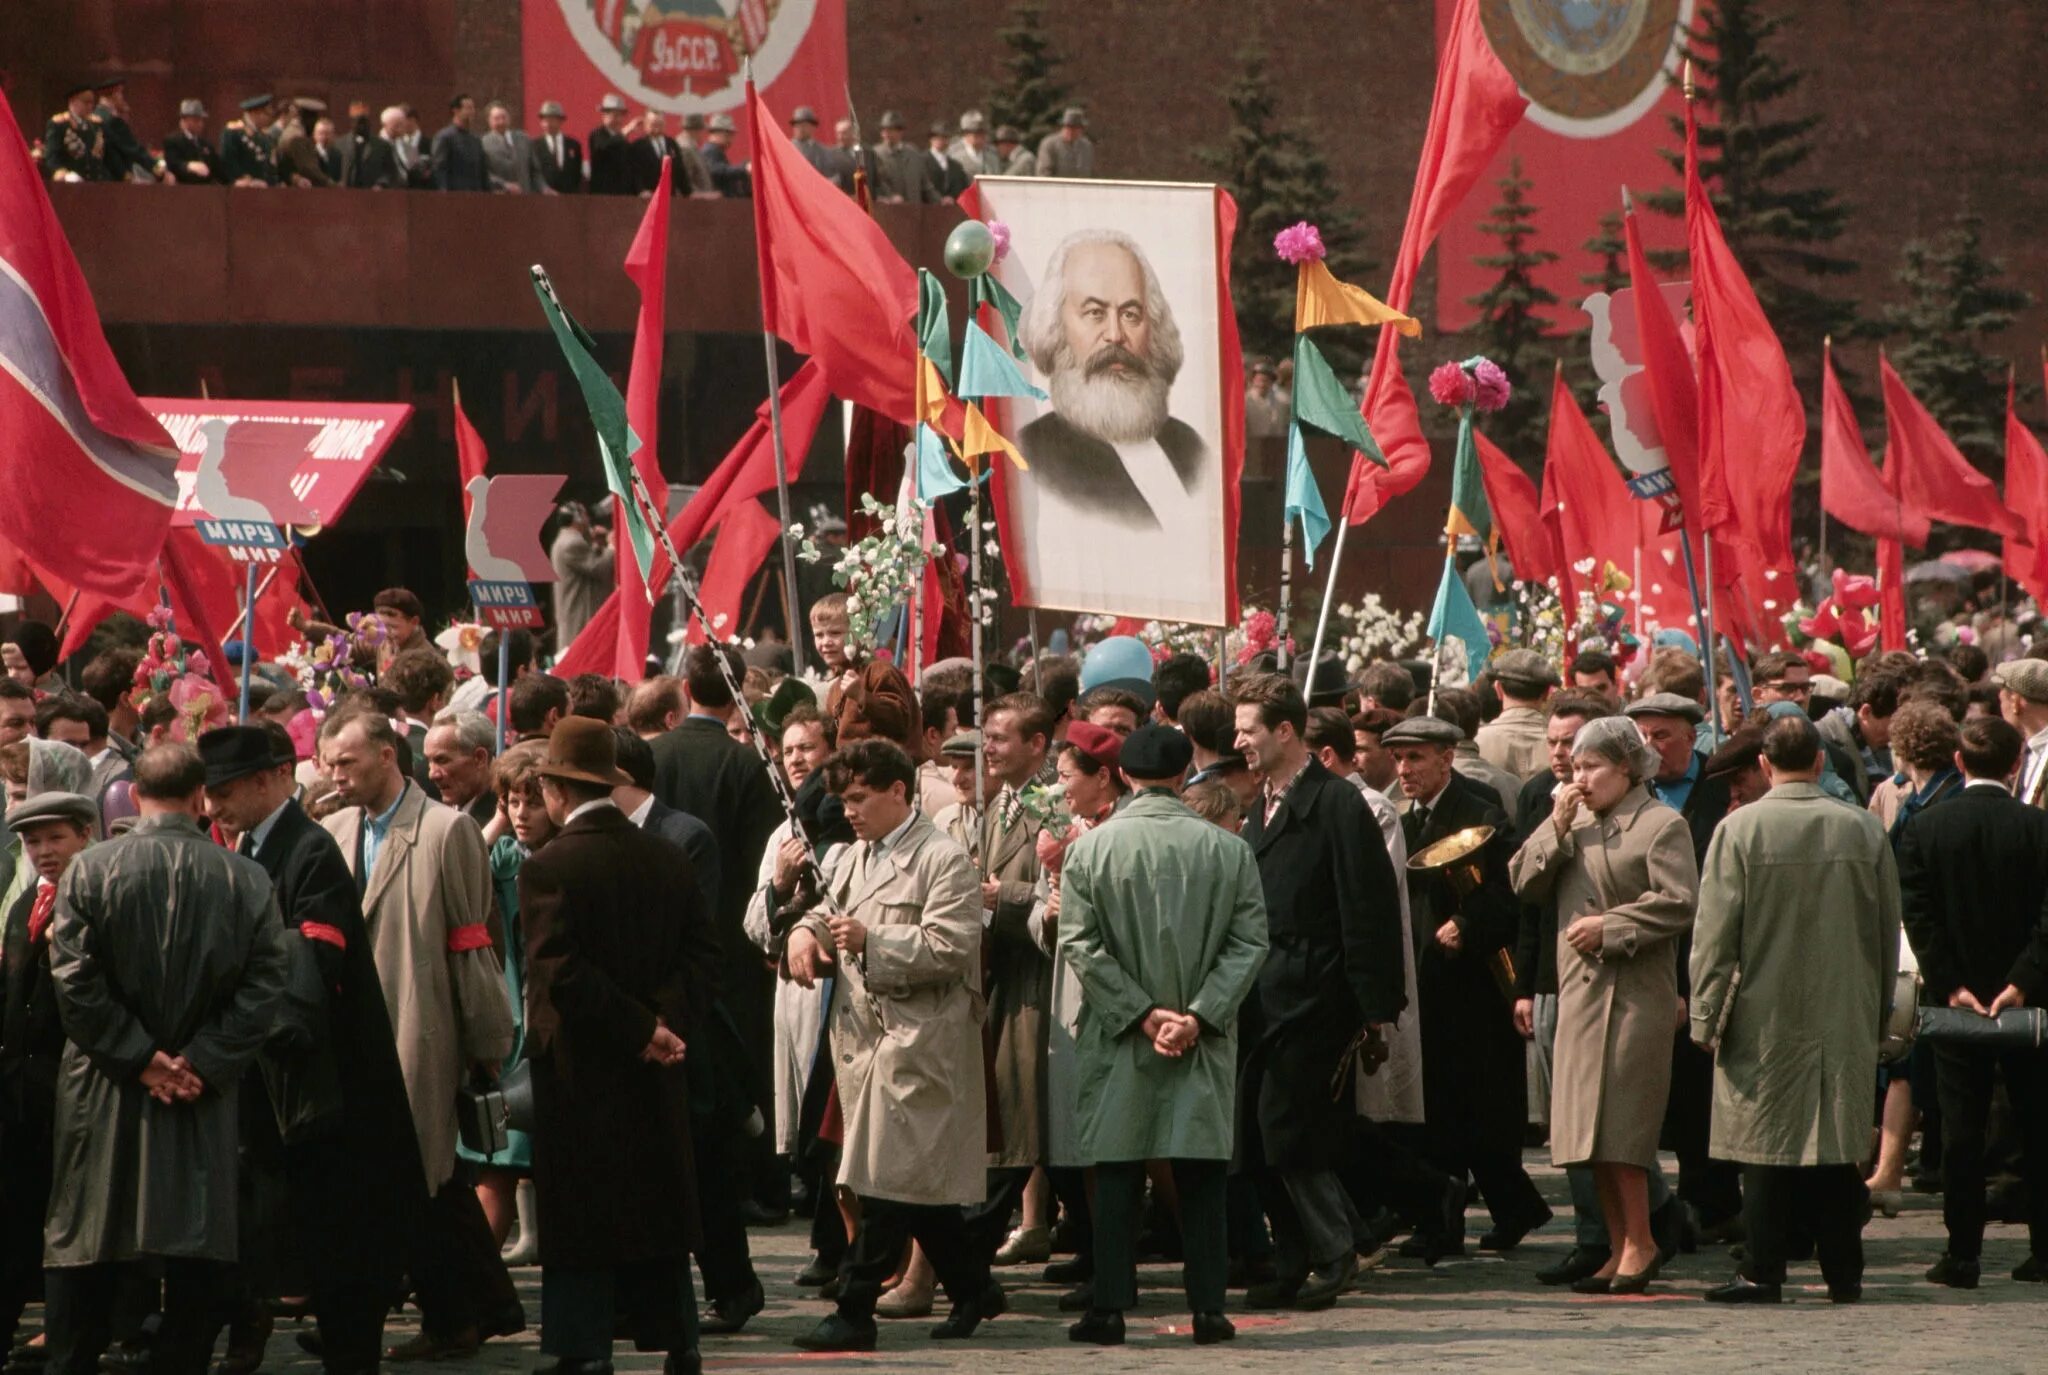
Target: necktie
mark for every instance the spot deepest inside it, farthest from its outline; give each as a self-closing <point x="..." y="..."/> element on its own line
<point x="1008" y="805"/>
<point x="247" y="844"/>
<point x="39" y="914"/>
<point x="1421" y="815"/>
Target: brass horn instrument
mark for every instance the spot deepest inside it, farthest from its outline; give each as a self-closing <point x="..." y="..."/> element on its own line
<point x="1455" y="859"/>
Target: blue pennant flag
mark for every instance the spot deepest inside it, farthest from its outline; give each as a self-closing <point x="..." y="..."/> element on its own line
<point x="986" y="369"/>
<point x="1454" y="614"/>
<point x="936" y="475"/>
<point x="1304" y="498"/>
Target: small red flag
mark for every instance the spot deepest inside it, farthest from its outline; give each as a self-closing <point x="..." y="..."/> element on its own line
<point x="471" y="458"/>
<point x="1851" y="488"/>
<point x="1584" y="501"/>
<point x="1934" y="479"/>
<point x="1531" y="545"/>
<point x="647" y="266"/>
<point x="2026" y="492"/>
<point x="745" y="536"/>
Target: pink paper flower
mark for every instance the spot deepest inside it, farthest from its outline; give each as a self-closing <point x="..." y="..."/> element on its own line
<point x="1451" y="385"/>
<point x="1000" y="232"/>
<point x="1854" y="591"/>
<point x="1299" y="243"/>
<point x="1490" y="384"/>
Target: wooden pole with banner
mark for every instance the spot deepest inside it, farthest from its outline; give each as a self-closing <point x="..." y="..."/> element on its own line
<point x="1329" y="596"/>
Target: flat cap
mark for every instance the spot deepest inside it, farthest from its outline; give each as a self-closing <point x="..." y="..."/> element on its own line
<point x="1075" y="116"/>
<point x="191" y="109"/>
<point x="1666" y="704"/>
<point x="722" y="124"/>
<point x="891" y="120"/>
<point x="1264" y="365"/>
<point x="1421" y="730"/>
<point x="613" y="104"/>
<point x="1738" y="752"/>
<point x="258" y="102"/>
<point x="1009" y="133"/>
<point x="2027" y="677"/>
<point x="961" y="743"/>
<point x="1155" y="751"/>
<point x="791" y="693"/>
<point x="311" y="104"/>
<point x="804" y="115"/>
<point x="552" y="108"/>
<point x="53" y="807"/>
<point x="973" y="122"/>
<point x="940" y="129"/>
<point x="1524" y="666"/>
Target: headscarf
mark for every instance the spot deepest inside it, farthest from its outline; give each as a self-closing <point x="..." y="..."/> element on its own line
<point x="55" y="767"/>
<point x="1616" y="739"/>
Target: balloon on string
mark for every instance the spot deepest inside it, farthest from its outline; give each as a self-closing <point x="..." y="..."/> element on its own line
<point x="970" y="249"/>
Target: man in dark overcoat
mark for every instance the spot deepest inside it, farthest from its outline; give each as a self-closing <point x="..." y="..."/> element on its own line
<point x="619" y="955"/>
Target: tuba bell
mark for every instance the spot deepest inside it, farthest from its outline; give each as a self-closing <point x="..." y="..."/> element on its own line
<point x="1456" y="859"/>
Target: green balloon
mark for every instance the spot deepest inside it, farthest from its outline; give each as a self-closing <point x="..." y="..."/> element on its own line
<point x="970" y="249"/>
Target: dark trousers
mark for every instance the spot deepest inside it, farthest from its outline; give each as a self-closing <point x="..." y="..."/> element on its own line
<point x="24" y="1200"/>
<point x="351" y="1266"/>
<point x="885" y="1228"/>
<point x="1712" y="1187"/>
<point x="723" y="1154"/>
<point x="1966" y="1077"/>
<point x="1204" y="1231"/>
<point x="1390" y="1171"/>
<point x="1070" y="1187"/>
<point x="988" y="1222"/>
<point x="828" y="1228"/>
<point x="650" y="1302"/>
<point x="456" y="1270"/>
<point x="1828" y="1202"/>
<point x="78" y="1314"/>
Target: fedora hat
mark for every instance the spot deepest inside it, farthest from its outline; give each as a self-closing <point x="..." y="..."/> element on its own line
<point x="581" y="748"/>
<point x="232" y="752"/>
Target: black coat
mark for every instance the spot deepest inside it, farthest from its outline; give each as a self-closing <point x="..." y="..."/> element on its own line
<point x="1333" y="918"/>
<point x="181" y="149"/>
<point x="605" y="956"/>
<point x="1973" y="877"/>
<point x="1474" y="1084"/>
<point x="701" y="770"/>
<point x="1536" y="945"/>
<point x="611" y="163"/>
<point x="695" y="839"/>
<point x="566" y="176"/>
<point x="31" y="1036"/>
<point x="378" y="167"/>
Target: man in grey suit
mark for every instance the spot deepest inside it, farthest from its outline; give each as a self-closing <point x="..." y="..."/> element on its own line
<point x="509" y="162"/>
<point x="902" y="173"/>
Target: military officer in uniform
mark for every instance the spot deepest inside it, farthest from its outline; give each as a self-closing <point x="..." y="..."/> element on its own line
<point x="189" y="156"/>
<point x="125" y="154"/>
<point x="75" y="143"/>
<point x="248" y="148"/>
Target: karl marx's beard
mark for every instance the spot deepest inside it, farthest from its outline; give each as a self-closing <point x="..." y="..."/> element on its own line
<point x="1116" y="407"/>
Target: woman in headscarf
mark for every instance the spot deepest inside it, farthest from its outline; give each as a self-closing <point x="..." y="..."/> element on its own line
<point x="1619" y="865"/>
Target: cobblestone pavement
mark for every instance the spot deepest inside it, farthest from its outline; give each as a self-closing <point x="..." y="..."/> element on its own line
<point x="1483" y="1313"/>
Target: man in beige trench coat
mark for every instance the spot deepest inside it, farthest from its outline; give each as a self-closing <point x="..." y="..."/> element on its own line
<point x="901" y="927"/>
<point x="1793" y="957"/>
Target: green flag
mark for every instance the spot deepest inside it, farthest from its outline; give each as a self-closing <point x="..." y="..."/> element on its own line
<point x="1320" y="400"/>
<point x="616" y="441"/>
<point x="933" y="338"/>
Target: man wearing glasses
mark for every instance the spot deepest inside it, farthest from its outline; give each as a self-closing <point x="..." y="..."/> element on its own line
<point x="1783" y="676"/>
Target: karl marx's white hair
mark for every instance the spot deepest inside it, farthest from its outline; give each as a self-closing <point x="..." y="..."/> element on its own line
<point x="1045" y="337"/>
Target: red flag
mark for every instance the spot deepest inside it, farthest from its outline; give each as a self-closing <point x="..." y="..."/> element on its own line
<point x="90" y="475"/>
<point x="745" y="473"/>
<point x="1532" y="546"/>
<point x="1585" y="501"/>
<point x="647" y="266"/>
<point x="1851" y="488"/>
<point x="1475" y="105"/>
<point x="874" y="463"/>
<point x="1674" y="394"/>
<point x="745" y="536"/>
<point x="1752" y="424"/>
<point x="471" y="457"/>
<point x="1933" y="476"/>
<point x="832" y="285"/>
<point x="2026" y="492"/>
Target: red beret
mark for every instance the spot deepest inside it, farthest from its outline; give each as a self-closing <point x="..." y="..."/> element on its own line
<point x="1099" y="743"/>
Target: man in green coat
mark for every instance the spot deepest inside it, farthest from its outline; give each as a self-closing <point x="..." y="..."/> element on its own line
<point x="1163" y="921"/>
<point x="1793" y="957"/>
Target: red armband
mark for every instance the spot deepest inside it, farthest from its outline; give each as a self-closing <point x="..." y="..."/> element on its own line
<point x="465" y="938"/>
<point x="321" y="931"/>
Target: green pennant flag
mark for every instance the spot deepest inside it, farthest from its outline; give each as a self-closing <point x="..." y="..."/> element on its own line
<point x="985" y="290"/>
<point x="934" y="340"/>
<point x="986" y="370"/>
<point x="616" y="441"/>
<point x="1304" y="499"/>
<point x="1469" y="511"/>
<point x="1454" y="614"/>
<point x="936" y="476"/>
<point x="1320" y="400"/>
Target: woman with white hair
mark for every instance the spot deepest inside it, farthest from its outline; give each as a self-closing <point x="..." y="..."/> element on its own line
<point x="1620" y="866"/>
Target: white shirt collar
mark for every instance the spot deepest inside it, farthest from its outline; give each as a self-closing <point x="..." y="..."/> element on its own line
<point x="590" y="806"/>
<point x="638" y="816"/>
<point x="1987" y="783"/>
<point x="890" y="841"/>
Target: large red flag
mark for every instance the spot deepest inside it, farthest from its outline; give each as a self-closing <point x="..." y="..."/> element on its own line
<point x="745" y="536"/>
<point x="647" y="266"/>
<point x="471" y="457"/>
<point x="2026" y="492"/>
<point x="89" y="475"/>
<point x="745" y="473"/>
<point x="1752" y="424"/>
<point x="1531" y="545"/>
<point x="1851" y="488"/>
<point x="1475" y="104"/>
<point x="1933" y="476"/>
<point x="832" y="284"/>
<point x="1585" y="501"/>
<point x="1668" y="367"/>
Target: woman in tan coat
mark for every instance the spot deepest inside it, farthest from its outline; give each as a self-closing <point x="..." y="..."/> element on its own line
<point x="1620" y="867"/>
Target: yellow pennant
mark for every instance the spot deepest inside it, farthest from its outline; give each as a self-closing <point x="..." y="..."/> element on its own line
<point x="1320" y="299"/>
<point x="979" y="437"/>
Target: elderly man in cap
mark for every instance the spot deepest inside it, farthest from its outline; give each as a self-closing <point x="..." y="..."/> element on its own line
<point x="1336" y="980"/>
<point x="1012" y="158"/>
<point x="558" y="156"/>
<point x="1069" y="152"/>
<point x="189" y="154"/>
<point x="611" y="160"/>
<point x="803" y="134"/>
<point x="1739" y="764"/>
<point x="621" y="956"/>
<point x="969" y="149"/>
<point x="949" y="176"/>
<point x="732" y="178"/>
<point x="1163" y="921"/>
<point x="333" y="1131"/>
<point x="169" y="967"/>
<point x="1474" y="1070"/>
<point x="902" y="174"/>
<point x="1514" y="739"/>
<point x="248" y="146"/>
<point x="509" y="162"/>
<point x="690" y="176"/>
<point x="53" y="829"/>
<point x="2023" y="701"/>
<point x="75" y="142"/>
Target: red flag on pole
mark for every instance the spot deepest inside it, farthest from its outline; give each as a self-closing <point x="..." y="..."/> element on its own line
<point x="1475" y="104"/>
<point x="1674" y="395"/>
<point x="90" y="475"/>
<point x="1851" y="488"/>
<point x="1532" y="545"/>
<point x="745" y="536"/>
<point x="1752" y="424"/>
<point x="1585" y="501"/>
<point x="471" y="458"/>
<point x="2026" y="492"/>
<point x="647" y="266"/>
<point x="1934" y="478"/>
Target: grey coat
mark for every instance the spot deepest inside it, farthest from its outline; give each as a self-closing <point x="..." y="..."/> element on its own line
<point x="1019" y="987"/>
<point x="161" y="940"/>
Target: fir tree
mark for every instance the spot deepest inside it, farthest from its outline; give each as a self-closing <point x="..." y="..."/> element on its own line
<point x="1031" y="94"/>
<point x="1955" y="303"/>
<point x="1778" y="225"/>
<point x="1278" y="177"/>
<point x="1509" y="329"/>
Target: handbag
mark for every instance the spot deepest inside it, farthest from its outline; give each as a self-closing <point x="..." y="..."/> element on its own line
<point x="481" y="1117"/>
<point x="2016" y="1028"/>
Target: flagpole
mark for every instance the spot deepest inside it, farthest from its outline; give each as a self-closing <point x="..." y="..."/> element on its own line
<point x="235" y="626"/>
<point x="248" y="648"/>
<point x="1329" y="595"/>
<point x="504" y="683"/>
<point x="1827" y="347"/>
<point x="974" y="621"/>
<point x="1286" y="589"/>
<point x="790" y="607"/>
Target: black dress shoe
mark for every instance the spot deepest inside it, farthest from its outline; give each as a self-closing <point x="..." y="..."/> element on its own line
<point x="1848" y="1293"/>
<point x="722" y="1317"/>
<point x="570" y="1366"/>
<point x="1578" y="1263"/>
<point x="683" y="1363"/>
<point x="309" y="1341"/>
<point x="1506" y="1236"/>
<point x="755" y="1213"/>
<point x="961" y="1322"/>
<point x="816" y="1275"/>
<point x="426" y="1347"/>
<point x="1103" y="1327"/>
<point x="994" y="1302"/>
<point x="1211" y="1328"/>
<point x="1079" y="1299"/>
<point x="1956" y="1274"/>
<point x="1070" y="1271"/>
<point x="505" y="1322"/>
<point x="835" y="1333"/>
<point x="1325" y="1284"/>
<point x="125" y="1358"/>
<point x="1431" y="1247"/>
<point x="2030" y="1271"/>
<point x="1274" y="1293"/>
<point x="1740" y="1290"/>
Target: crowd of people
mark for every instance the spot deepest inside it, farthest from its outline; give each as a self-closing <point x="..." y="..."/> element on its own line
<point x="296" y="142"/>
<point x="369" y="995"/>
